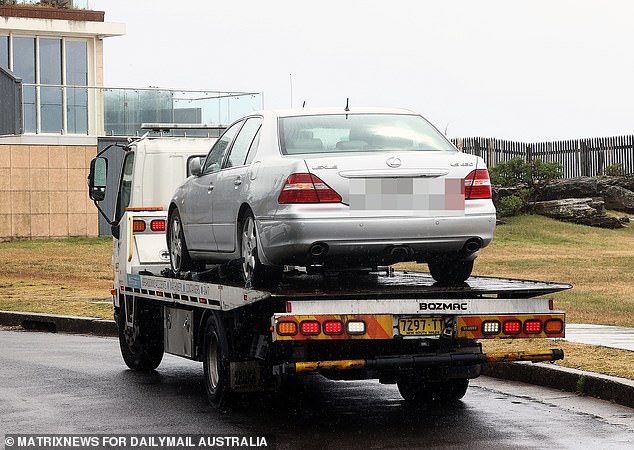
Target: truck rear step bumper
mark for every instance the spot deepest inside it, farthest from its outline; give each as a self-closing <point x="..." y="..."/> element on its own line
<point x="421" y="361"/>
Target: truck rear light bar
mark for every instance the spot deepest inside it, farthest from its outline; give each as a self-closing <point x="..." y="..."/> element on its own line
<point x="156" y="225"/>
<point x="324" y="327"/>
<point x="538" y="325"/>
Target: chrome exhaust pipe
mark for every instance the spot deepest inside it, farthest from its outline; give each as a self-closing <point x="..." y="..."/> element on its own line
<point x="400" y="253"/>
<point x="318" y="250"/>
<point x="472" y="245"/>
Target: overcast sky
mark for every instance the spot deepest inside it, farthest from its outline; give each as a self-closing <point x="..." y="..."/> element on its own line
<point x="523" y="70"/>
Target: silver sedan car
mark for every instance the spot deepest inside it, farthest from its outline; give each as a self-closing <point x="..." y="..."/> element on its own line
<point x="332" y="189"/>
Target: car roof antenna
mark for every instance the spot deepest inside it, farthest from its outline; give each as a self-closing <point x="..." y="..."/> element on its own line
<point x="304" y="104"/>
<point x="347" y="107"/>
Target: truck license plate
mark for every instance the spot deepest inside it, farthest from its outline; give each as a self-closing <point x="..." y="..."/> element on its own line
<point x="420" y="326"/>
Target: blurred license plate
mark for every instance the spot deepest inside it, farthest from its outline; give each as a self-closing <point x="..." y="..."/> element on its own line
<point x="420" y="326"/>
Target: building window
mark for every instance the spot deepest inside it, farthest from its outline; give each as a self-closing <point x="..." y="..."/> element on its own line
<point x="24" y="67"/>
<point x="50" y="55"/>
<point x="4" y="51"/>
<point x="53" y="71"/>
<point x="77" y="98"/>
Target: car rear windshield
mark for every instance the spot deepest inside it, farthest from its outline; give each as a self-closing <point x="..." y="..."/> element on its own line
<point x="338" y="133"/>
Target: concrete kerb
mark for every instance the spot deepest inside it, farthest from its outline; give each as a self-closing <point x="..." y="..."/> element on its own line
<point x="59" y="323"/>
<point x="614" y="389"/>
<point x="617" y="390"/>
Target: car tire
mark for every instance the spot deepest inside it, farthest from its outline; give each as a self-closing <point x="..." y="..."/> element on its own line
<point x="450" y="271"/>
<point x="414" y="389"/>
<point x="180" y="260"/>
<point x="216" y="363"/>
<point x="254" y="273"/>
<point x="142" y="344"/>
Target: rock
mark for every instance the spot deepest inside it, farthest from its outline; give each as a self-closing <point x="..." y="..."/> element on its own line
<point x="585" y="211"/>
<point x="580" y="187"/>
<point x="626" y="182"/>
<point x="618" y="192"/>
<point x="619" y="199"/>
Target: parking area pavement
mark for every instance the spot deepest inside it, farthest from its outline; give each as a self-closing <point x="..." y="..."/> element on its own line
<point x="607" y="336"/>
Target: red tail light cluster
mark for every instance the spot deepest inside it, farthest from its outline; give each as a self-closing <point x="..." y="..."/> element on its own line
<point x="139" y="225"/>
<point x="157" y="225"/>
<point x="477" y="185"/>
<point x="307" y="188"/>
<point x="315" y="327"/>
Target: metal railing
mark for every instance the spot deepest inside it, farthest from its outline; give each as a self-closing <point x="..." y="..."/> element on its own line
<point x="120" y="111"/>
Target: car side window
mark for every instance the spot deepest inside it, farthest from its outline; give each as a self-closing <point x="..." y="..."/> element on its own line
<point x="243" y="142"/>
<point x="254" y="147"/>
<point x="125" y="185"/>
<point x="219" y="150"/>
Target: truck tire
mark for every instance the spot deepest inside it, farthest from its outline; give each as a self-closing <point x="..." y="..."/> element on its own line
<point x="216" y="363"/>
<point x="179" y="256"/>
<point x="142" y="345"/>
<point x="413" y="389"/>
<point x="450" y="271"/>
<point x="254" y="273"/>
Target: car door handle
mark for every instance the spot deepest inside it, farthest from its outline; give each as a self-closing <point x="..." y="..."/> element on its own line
<point x="237" y="181"/>
<point x="210" y="188"/>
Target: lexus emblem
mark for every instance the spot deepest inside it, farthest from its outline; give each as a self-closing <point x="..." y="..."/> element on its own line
<point x="394" y="162"/>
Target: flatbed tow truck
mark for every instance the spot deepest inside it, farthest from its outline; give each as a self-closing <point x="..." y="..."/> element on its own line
<point x="394" y="326"/>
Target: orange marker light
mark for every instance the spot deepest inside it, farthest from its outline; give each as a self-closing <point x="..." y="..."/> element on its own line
<point x="287" y="328"/>
<point x="138" y="226"/>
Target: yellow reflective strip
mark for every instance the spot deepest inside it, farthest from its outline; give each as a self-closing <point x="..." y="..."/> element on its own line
<point x="345" y="364"/>
<point x="537" y="355"/>
<point x="130" y="231"/>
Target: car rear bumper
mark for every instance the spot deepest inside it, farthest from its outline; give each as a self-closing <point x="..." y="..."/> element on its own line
<point x="353" y="241"/>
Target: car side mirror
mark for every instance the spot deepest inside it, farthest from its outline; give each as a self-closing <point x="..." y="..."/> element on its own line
<point x="97" y="179"/>
<point x="195" y="166"/>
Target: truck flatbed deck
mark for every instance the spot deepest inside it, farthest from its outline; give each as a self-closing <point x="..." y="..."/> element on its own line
<point x="402" y="284"/>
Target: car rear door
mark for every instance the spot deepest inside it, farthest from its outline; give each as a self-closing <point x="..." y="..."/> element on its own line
<point x="230" y="189"/>
<point x="196" y="210"/>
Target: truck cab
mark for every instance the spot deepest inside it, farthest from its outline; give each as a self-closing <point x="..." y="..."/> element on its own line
<point x="153" y="167"/>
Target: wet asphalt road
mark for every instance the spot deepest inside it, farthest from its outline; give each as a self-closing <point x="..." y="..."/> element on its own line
<point x="57" y="383"/>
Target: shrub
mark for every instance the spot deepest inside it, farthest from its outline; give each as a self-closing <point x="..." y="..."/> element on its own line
<point x="510" y="206"/>
<point x="614" y="170"/>
<point x="518" y="171"/>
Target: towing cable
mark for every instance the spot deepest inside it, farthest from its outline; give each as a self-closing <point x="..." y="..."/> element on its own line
<point x="422" y="361"/>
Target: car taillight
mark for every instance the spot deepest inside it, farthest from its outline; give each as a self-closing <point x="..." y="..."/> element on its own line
<point x="307" y="188"/>
<point x="477" y="185"/>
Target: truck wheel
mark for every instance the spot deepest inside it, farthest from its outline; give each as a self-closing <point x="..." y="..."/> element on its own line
<point x="141" y="345"/>
<point x="450" y="271"/>
<point x="179" y="256"/>
<point x="413" y="389"/>
<point x="254" y="273"/>
<point x="216" y="364"/>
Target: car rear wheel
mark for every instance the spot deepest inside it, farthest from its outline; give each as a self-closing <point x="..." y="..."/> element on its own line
<point x="450" y="271"/>
<point x="254" y="273"/>
<point x="179" y="256"/>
